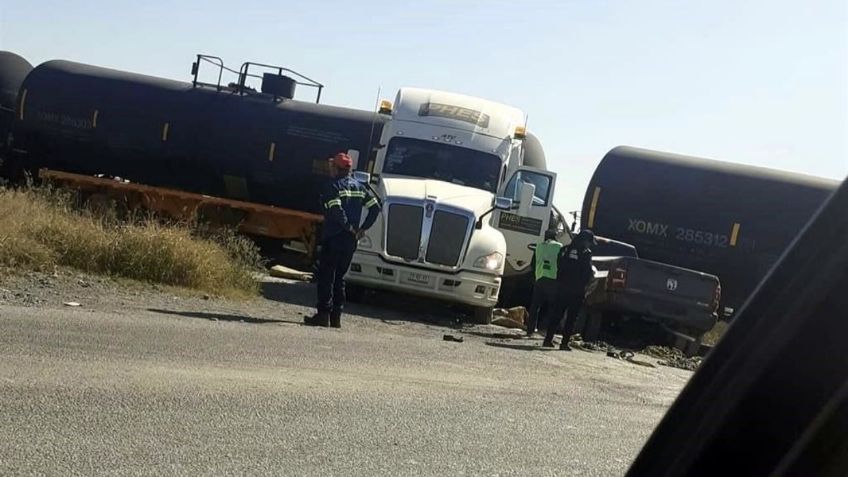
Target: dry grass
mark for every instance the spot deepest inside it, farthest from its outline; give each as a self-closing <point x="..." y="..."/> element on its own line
<point x="40" y="229"/>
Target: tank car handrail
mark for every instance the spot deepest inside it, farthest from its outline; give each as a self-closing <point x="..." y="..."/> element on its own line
<point x="217" y="61"/>
<point x="244" y="72"/>
<point x="209" y="59"/>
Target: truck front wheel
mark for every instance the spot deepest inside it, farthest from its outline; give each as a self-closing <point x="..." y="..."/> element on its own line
<point x="482" y="315"/>
<point x="355" y="293"/>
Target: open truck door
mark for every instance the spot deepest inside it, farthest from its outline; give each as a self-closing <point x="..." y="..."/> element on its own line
<point x="532" y="193"/>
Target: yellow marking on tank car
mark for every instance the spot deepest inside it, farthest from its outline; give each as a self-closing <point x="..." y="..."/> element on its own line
<point x="594" y="207"/>
<point x="23" y="103"/>
<point x="734" y="234"/>
<point x="94" y="118"/>
<point x="271" y="151"/>
<point x="165" y="129"/>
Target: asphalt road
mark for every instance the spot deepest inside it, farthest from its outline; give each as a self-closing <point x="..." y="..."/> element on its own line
<point x="148" y="388"/>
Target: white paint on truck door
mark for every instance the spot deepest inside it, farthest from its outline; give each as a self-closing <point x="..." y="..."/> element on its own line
<point x="532" y="191"/>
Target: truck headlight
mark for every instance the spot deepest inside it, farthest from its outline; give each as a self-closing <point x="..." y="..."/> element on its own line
<point x="492" y="261"/>
<point x="365" y="242"/>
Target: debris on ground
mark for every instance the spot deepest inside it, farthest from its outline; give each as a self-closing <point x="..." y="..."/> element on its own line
<point x="279" y="271"/>
<point x="72" y="303"/>
<point x="630" y="357"/>
<point x="507" y="322"/>
<point x="576" y="341"/>
<point x="453" y="338"/>
<point x="517" y="314"/>
<point x="673" y="357"/>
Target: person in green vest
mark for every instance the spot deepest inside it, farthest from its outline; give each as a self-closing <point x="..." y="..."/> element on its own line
<point x="544" y="266"/>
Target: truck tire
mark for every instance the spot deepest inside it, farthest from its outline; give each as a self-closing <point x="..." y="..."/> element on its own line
<point x="694" y="347"/>
<point x="482" y="315"/>
<point x="516" y="290"/>
<point x="355" y="293"/>
<point x="594" y="322"/>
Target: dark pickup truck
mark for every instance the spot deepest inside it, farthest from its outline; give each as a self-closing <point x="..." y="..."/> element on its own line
<point x="682" y="301"/>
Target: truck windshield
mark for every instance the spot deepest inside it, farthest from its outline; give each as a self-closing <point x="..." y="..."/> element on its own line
<point x="444" y="162"/>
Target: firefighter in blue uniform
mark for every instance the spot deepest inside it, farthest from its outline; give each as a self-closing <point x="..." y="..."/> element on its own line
<point x="343" y="199"/>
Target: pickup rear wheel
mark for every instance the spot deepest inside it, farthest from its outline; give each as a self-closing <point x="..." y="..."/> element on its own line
<point x="693" y="348"/>
<point x="482" y="315"/>
<point x="594" y="323"/>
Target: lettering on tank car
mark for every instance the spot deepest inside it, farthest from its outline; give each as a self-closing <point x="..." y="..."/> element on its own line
<point x="65" y="121"/>
<point x="683" y="234"/>
<point x="701" y="237"/>
<point x="648" y="228"/>
<point x="329" y="137"/>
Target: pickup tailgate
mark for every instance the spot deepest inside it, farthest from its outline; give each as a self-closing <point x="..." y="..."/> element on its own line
<point x="665" y="280"/>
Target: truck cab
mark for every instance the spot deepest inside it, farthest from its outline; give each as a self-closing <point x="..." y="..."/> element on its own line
<point x="460" y="205"/>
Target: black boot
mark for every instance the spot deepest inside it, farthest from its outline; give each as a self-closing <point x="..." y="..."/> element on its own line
<point x="336" y="319"/>
<point x="322" y="318"/>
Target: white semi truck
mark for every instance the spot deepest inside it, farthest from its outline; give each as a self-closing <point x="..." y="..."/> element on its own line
<point x="463" y="193"/>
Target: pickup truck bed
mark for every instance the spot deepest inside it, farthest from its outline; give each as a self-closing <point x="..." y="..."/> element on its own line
<point x="681" y="299"/>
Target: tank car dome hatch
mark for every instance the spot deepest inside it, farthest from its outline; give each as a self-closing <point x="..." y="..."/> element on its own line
<point x="13" y="70"/>
<point x="280" y="86"/>
<point x="534" y="153"/>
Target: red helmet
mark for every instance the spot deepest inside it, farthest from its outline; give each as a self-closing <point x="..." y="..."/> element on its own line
<point x="343" y="161"/>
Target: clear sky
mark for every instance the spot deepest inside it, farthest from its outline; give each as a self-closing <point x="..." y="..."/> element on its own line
<point x="763" y="82"/>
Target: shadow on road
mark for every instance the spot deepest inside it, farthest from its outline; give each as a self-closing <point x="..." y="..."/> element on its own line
<point x="393" y="307"/>
<point x="496" y="335"/>
<point x="221" y="317"/>
<point x="518" y="346"/>
<point x="390" y="308"/>
<point x="297" y="293"/>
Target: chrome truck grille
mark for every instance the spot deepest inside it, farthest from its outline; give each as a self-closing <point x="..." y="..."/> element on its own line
<point x="426" y="234"/>
<point x="448" y="234"/>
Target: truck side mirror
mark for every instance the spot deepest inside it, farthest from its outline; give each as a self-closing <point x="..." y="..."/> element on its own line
<point x="503" y="203"/>
<point x="526" y="192"/>
<point x="362" y="177"/>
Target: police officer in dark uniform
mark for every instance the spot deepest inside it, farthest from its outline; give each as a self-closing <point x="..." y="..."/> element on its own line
<point x="574" y="274"/>
<point x="343" y="199"/>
